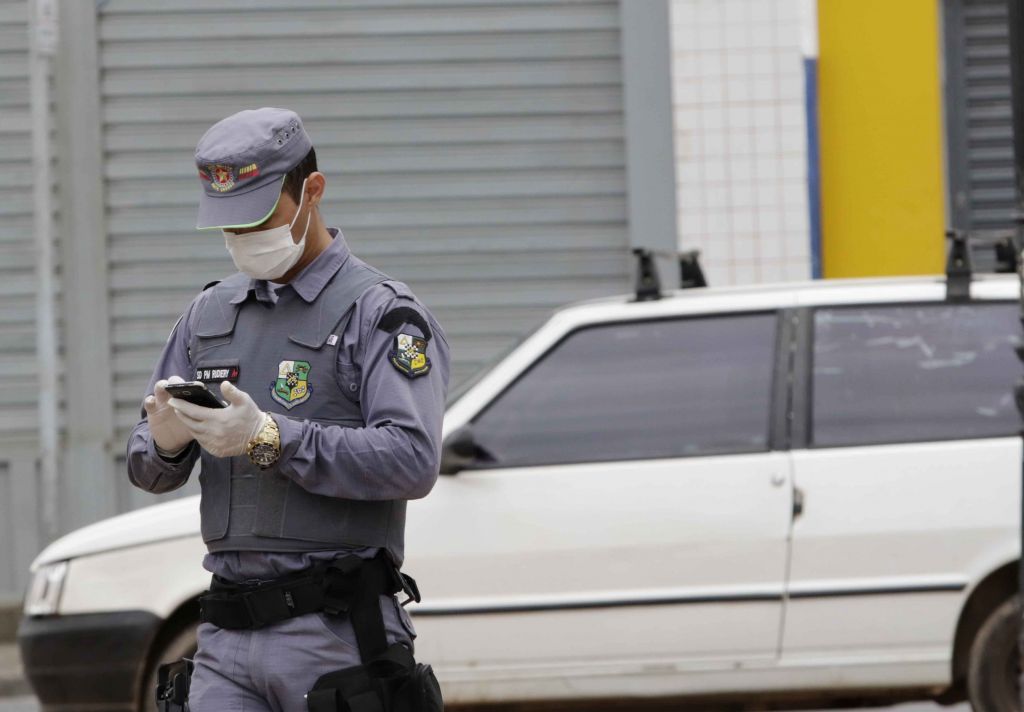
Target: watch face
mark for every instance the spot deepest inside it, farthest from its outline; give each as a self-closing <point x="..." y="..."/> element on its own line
<point x="263" y="454"/>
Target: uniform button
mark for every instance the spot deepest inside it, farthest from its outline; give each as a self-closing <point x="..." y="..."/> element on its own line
<point x="352" y="386"/>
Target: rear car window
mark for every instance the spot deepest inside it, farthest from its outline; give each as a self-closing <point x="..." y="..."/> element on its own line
<point x="651" y="389"/>
<point x="914" y="372"/>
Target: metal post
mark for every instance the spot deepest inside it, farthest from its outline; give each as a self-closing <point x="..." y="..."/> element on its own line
<point x="809" y="45"/>
<point x="1019" y="396"/>
<point x="650" y="143"/>
<point x="1015" y="10"/>
<point x="43" y="30"/>
<point x="90" y="491"/>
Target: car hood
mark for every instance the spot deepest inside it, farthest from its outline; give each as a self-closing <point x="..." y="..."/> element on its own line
<point x="178" y="518"/>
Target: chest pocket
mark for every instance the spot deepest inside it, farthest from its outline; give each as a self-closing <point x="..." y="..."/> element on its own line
<point x="320" y="336"/>
<point x="214" y="326"/>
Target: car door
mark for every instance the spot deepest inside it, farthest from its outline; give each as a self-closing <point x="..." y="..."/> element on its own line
<point x="909" y="479"/>
<point x="627" y="511"/>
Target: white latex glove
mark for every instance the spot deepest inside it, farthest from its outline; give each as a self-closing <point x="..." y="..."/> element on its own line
<point x="169" y="433"/>
<point x="223" y="432"/>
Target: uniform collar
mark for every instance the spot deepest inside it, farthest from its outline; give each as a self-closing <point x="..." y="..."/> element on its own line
<point x="310" y="281"/>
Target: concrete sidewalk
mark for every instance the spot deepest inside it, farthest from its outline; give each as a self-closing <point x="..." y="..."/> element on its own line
<point x="12" y="682"/>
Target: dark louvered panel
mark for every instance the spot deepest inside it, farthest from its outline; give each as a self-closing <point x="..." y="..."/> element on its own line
<point x="978" y="114"/>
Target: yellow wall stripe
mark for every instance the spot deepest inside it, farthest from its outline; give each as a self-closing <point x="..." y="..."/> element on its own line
<point x="882" y="194"/>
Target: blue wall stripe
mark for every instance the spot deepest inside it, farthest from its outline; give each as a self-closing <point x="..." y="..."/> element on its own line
<point x="813" y="169"/>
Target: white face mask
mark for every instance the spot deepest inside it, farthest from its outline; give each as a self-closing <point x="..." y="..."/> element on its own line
<point x="268" y="254"/>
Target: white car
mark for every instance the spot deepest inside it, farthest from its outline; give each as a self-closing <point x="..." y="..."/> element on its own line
<point x="797" y="490"/>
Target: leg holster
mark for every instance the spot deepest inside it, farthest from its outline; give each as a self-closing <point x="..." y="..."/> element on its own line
<point x="173" y="681"/>
<point x="389" y="680"/>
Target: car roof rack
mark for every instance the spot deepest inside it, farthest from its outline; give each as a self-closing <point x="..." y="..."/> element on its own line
<point x="648" y="284"/>
<point x="690" y="273"/>
<point x="959" y="265"/>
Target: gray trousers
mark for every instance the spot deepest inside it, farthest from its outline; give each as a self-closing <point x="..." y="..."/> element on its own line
<point x="270" y="669"/>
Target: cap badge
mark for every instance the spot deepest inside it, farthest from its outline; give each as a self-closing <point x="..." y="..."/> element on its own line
<point x="222" y="178"/>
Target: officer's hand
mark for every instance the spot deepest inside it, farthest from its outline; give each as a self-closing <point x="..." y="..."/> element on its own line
<point x="169" y="433"/>
<point x="223" y="432"/>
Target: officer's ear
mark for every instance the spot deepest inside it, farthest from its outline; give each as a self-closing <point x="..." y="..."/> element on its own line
<point x="315" y="185"/>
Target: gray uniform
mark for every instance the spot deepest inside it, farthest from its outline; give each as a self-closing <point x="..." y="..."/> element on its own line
<point x="392" y="457"/>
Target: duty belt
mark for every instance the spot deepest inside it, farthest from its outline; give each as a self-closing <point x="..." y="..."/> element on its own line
<point x="335" y="587"/>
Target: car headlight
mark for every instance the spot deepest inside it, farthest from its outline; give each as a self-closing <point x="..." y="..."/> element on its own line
<point x="44" y="591"/>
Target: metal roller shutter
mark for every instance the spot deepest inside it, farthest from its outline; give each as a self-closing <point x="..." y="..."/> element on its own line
<point x="473" y="149"/>
<point x="978" y="119"/>
<point x="18" y="418"/>
<point x="20" y="528"/>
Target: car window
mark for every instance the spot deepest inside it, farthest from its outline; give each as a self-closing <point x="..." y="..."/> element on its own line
<point x="666" y="388"/>
<point x="914" y="372"/>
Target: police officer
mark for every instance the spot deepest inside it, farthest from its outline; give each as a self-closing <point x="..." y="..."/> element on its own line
<point x="334" y="378"/>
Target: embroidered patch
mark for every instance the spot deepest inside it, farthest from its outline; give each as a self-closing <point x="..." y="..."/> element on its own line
<point x="410" y="355"/>
<point x="292" y="385"/>
<point x="249" y="171"/>
<point x="216" y="374"/>
<point x="222" y="178"/>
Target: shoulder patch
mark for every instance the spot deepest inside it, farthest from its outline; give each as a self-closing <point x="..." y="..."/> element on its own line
<point x="404" y="315"/>
<point x="409" y="355"/>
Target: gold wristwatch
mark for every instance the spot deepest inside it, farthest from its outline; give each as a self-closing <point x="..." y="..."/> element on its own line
<point x="265" y="447"/>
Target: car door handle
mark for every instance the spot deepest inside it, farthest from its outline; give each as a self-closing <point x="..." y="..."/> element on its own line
<point x="778" y="479"/>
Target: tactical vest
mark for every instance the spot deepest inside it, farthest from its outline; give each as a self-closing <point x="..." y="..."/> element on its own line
<point x="288" y="349"/>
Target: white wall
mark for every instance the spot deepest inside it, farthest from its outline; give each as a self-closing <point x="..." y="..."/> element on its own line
<point x="740" y="129"/>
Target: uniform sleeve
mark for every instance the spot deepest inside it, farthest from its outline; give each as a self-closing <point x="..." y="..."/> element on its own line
<point x="146" y="468"/>
<point x="397" y="454"/>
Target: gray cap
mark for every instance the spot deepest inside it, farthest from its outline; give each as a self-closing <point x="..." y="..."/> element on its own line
<point x="242" y="161"/>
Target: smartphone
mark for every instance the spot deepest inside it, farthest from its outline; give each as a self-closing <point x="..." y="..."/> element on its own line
<point x="194" y="392"/>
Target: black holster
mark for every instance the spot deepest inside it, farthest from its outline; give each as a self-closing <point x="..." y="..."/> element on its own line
<point x="392" y="682"/>
<point x="173" y="680"/>
<point x="389" y="680"/>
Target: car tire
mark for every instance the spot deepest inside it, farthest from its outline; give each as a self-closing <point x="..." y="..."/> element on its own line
<point x="180" y="644"/>
<point x="993" y="670"/>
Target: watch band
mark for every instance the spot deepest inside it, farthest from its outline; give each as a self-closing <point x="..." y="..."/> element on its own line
<point x="265" y="447"/>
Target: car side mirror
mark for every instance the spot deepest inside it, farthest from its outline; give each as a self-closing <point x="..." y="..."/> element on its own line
<point x="461" y="451"/>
